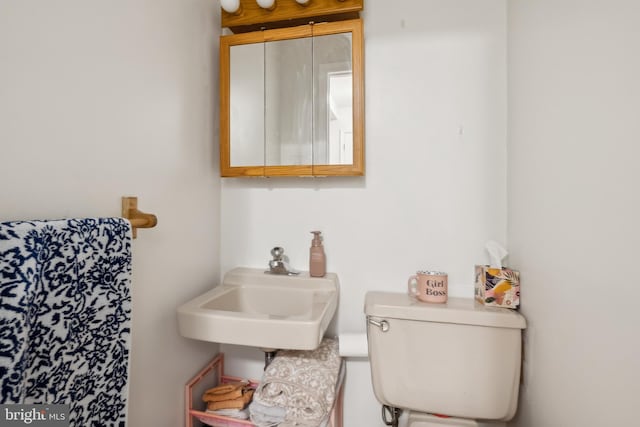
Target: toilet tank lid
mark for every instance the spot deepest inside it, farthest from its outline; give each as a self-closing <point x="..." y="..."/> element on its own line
<point x="464" y="311"/>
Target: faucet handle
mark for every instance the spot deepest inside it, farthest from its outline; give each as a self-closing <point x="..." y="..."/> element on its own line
<point x="278" y="265"/>
<point x="277" y="253"/>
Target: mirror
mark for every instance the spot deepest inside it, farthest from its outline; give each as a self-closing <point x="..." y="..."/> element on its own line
<point x="292" y="101"/>
<point x="288" y="102"/>
<point x="246" y="82"/>
<point x="340" y="124"/>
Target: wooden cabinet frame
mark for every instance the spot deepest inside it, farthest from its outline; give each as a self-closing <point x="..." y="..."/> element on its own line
<point x="353" y="26"/>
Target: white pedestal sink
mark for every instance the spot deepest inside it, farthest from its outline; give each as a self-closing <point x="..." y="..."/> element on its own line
<point x="263" y="310"/>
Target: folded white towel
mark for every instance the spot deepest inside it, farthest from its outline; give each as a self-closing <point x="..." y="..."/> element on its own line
<point x="239" y="414"/>
<point x="303" y="383"/>
<point x="266" y="416"/>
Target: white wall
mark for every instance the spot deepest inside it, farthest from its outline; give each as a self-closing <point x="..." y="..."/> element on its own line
<point x="104" y="99"/>
<point x="100" y="99"/>
<point x="574" y="204"/>
<point x="435" y="184"/>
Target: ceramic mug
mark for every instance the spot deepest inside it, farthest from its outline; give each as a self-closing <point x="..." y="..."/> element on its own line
<point x="429" y="286"/>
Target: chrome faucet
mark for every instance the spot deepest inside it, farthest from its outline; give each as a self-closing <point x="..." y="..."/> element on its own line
<point x="278" y="265"/>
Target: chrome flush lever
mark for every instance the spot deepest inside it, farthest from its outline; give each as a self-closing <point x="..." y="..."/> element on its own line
<point x="382" y="324"/>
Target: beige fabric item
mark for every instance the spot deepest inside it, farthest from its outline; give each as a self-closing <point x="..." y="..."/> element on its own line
<point x="228" y="391"/>
<point x="238" y="403"/>
<point x="303" y="383"/>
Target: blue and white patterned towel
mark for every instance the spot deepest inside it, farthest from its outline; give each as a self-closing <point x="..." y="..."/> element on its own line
<point x="65" y="313"/>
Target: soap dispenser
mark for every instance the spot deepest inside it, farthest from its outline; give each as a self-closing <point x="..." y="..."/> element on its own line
<point x="317" y="258"/>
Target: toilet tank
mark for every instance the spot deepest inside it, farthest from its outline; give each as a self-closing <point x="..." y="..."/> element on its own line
<point x="460" y="358"/>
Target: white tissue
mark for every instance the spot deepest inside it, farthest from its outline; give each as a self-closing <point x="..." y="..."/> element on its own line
<point x="496" y="253"/>
<point x="353" y="345"/>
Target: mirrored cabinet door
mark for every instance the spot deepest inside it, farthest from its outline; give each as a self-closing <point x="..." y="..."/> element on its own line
<point x="333" y="90"/>
<point x="247" y="142"/>
<point x="292" y="101"/>
<point x="288" y="104"/>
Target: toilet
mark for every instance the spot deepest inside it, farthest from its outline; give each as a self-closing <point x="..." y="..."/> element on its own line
<point x="452" y="364"/>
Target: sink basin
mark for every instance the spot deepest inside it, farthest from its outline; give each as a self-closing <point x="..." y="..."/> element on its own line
<point x="256" y="309"/>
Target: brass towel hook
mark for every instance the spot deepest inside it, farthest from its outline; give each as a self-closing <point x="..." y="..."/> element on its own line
<point x="137" y="218"/>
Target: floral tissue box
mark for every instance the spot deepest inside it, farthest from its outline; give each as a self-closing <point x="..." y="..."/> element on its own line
<point x="498" y="287"/>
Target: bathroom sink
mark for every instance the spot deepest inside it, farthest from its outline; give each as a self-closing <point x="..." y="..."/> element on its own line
<point x="253" y="308"/>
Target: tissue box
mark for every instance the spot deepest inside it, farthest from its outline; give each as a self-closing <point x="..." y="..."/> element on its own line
<point x="498" y="287"/>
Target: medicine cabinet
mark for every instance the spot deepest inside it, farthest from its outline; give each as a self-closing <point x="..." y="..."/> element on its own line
<point x="292" y="101"/>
